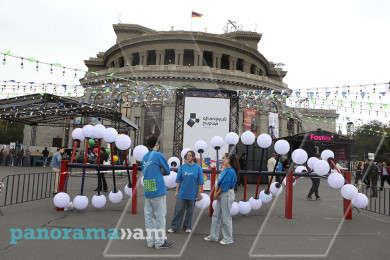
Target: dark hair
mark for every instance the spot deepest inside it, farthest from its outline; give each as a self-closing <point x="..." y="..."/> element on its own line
<point x="152" y="141"/>
<point x="243" y="154"/>
<point x="103" y="149"/>
<point x="234" y="162"/>
<point x="193" y="156"/>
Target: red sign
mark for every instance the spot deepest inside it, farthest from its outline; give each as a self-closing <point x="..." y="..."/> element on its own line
<point x="250" y="120"/>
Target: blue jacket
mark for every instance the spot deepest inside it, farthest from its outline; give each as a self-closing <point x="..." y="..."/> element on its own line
<point x="56" y="161"/>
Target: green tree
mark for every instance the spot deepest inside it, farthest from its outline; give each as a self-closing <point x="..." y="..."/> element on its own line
<point x="10" y="132"/>
<point x="372" y="138"/>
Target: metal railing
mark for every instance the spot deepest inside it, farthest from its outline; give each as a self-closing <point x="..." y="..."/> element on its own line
<point x="378" y="198"/>
<point x="21" y="188"/>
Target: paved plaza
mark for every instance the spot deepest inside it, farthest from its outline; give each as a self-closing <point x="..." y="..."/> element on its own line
<point x="317" y="229"/>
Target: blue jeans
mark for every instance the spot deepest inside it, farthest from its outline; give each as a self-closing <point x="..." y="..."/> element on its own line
<point x="222" y="212"/>
<point x="44" y="161"/>
<point x="155" y="228"/>
<point x="181" y="206"/>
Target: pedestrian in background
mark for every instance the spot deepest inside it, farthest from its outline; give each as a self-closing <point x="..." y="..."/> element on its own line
<point x="45" y="154"/>
<point x="385" y="174"/>
<point x="56" y="166"/>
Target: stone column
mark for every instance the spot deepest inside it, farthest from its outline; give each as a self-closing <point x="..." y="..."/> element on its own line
<point x="232" y="63"/>
<point x="116" y="63"/>
<point x="143" y="58"/>
<point x="179" y="53"/>
<point x="129" y="59"/>
<point x="246" y="66"/>
<point x="160" y="56"/>
<point x="198" y="58"/>
<point x="256" y="71"/>
<point x="217" y="60"/>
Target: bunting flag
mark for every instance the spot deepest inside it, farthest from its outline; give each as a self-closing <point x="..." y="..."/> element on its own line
<point x="311" y="94"/>
<point x="353" y="103"/>
<point x="369" y="103"/>
<point x="343" y="93"/>
<point x="339" y="101"/>
<point x="363" y="94"/>
<point x="384" y="106"/>
<point x="327" y="94"/>
<point x="297" y="93"/>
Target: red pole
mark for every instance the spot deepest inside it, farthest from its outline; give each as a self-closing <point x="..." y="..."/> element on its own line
<point x="213" y="173"/>
<point x="245" y="180"/>
<point x="347" y="203"/>
<point x="289" y="195"/>
<point x="134" y="186"/>
<point x="86" y="150"/>
<point x="63" y="173"/>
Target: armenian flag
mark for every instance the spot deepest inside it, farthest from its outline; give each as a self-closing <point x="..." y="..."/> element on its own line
<point x="194" y="14"/>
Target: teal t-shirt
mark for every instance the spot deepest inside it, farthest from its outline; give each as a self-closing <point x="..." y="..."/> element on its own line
<point x="154" y="184"/>
<point x="189" y="176"/>
<point x="227" y="179"/>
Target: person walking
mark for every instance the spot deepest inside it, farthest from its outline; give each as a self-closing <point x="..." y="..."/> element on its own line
<point x="358" y="174"/>
<point x="154" y="165"/>
<point x="224" y="195"/>
<point x="385" y="174"/>
<point x="3" y="155"/>
<point x="373" y="176"/>
<point x="11" y="156"/>
<point x="20" y="154"/>
<point x="271" y="163"/>
<point x="189" y="187"/>
<point x="45" y="155"/>
<point x="103" y="160"/>
<point x="56" y="166"/>
<point x="27" y="157"/>
<point x="315" y="184"/>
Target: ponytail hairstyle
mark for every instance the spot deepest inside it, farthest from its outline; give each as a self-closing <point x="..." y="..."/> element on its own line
<point x="234" y="161"/>
<point x="193" y="156"/>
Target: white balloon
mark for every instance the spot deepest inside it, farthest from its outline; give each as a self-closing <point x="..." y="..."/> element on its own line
<point x="336" y="180"/>
<point x="235" y="209"/>
<point x="311" y="162"/>
<point x="77" y="134"/>
<point x="80" y="202"/>
<point x="216" y="141"/>
<point x="300" y="169"/>
<point x="299" y="156"/>
<point x="184" y="152"/>
<point x="139" y="152"/>
<point x="349" y="191"/>
<point x="110" y="135"/>
<point x="123" y="142"/>
<point x="282" y="147"/>
<point x="275" y="190"/>
<point x="87" y="131"/>
<point x="360" y="201"/>
<point x="98" y="201"/>
<point x="115" y="197"/>
<point x="170" y="180"/>
<point x="204" y="202"/>
<point x="248" y="138"/>
<point x="128" y="190"/>
<point x="173" y="160"/>
<point x="214" y="204"/>
<point x="326" y="154"/>
<point x="200" y="146"/>
<point x="61" y="200"/>
<point x="232" y="138"/>
<point x="265" y="198"/>
<point x="142" y="181"/>
<point x="285" y="181"/>
<point x="321" y="167"/>
<point x="255" y="203"/>
<point x="244" y="207"/>
<point x="264" y="140"/>
<point x="98" y="131"/>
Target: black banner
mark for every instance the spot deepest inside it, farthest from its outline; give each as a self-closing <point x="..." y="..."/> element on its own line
<point x="152" y="121"/>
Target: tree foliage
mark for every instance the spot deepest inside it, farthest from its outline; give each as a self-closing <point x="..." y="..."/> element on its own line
<point x="10" y="132"/>
<point x="371" y="138"/>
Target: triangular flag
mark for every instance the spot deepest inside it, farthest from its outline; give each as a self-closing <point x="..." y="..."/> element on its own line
<point x="326" y="100"/>
<point x="327" y="94"/>
<point x="384" y="106"/>
<point x="297" y="93"/>
<point x="312" y="100"/>
<point x="272" y="95"/>
<point x="353" y="103"/>
<point x="311" y="94"/>
<point x="383" y="93"/>
<point x="363" y="94"/>
<point x="32" y="60"/>
<point x="339" y="101"/>
<point x="107" y="90"/>
<point x="343" y="93"/>
<point x="112" y="74"/>
<point x="369" y="103"/>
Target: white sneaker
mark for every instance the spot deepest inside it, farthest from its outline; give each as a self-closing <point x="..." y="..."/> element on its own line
<point x="188" y="230"/>
<point x="171" y="230"/>
<point x="222" y="242"/>
<point x="209" y="239"/>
